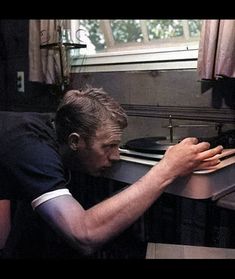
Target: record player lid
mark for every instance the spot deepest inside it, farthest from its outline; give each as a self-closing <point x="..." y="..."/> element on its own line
<point x="149" y="144"/>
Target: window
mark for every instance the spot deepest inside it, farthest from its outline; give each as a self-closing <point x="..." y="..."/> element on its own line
<point x="134" y="44"/>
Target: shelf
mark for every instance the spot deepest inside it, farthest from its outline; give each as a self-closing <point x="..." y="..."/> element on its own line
<point x="58" y="45"/>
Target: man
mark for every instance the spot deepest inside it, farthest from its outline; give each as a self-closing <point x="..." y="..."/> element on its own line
<point x="36" y="156"/>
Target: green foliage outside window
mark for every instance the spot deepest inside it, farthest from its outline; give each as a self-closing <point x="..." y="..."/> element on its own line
<point x="130" y="31"/>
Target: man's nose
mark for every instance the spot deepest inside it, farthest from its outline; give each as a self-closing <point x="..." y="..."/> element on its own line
<point x="115" y="155"/>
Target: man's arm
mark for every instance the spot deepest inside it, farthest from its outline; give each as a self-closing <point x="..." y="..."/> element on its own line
<point x="88" y="229"/>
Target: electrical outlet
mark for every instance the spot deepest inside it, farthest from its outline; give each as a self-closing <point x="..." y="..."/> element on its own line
<point x="20" y="81"/>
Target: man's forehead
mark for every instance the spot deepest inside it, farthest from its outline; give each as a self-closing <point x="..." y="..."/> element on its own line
<point x="109" y="131"/>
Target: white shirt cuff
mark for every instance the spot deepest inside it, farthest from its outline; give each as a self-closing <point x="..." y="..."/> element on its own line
<point x="48" y="196"/>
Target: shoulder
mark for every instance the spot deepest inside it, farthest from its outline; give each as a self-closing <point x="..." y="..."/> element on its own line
<point x="10" y="119"/>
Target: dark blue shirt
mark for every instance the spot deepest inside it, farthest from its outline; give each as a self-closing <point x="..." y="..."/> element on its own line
<point x="30" y="163"/>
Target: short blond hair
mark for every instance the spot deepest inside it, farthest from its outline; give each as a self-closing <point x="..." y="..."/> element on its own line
<point x="84" y="111"/>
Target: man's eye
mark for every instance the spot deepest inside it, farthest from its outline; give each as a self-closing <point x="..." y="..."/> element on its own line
<point x="113" y="145"/>
<point x="109" y="146"/>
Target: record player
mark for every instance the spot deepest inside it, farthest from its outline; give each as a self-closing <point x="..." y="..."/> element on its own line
<point x="150" y="146"/>
<point x="155" y="147"/>
<point x="138" y="155"/>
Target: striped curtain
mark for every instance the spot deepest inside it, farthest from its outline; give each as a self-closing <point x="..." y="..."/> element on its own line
<point x="45" y="63"/>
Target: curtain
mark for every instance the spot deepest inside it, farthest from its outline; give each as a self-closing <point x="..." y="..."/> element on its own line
<point x="216" y="56"/>
<point x="44" y="63"/>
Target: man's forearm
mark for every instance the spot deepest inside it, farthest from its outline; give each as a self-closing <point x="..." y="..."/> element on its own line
<point x="110" y="217"/>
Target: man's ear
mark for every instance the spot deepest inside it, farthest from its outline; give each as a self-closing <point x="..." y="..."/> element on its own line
<point x="74" y="141"/>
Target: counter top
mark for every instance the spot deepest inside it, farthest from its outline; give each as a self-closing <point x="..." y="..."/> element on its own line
<point x="202" y="184"/>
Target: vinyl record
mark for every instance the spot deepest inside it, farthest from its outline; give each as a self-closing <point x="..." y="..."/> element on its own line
<point x="149" y="145"/>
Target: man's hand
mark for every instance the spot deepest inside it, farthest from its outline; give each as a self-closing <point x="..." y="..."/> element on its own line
<point x="189" y="155"/>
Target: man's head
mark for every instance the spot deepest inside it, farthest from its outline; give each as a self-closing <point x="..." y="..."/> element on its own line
<point x="91" y="122"/>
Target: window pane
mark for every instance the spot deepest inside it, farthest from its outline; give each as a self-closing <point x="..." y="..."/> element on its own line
<point x="90" y="34"/>
<point x="126" y="31"/>
<point x="194" y="27"/>
<point x="135" y="33"/>
<point x="163" y="29"/>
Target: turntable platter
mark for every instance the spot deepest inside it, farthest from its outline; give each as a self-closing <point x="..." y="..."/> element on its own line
<point x="149" y="145"/>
